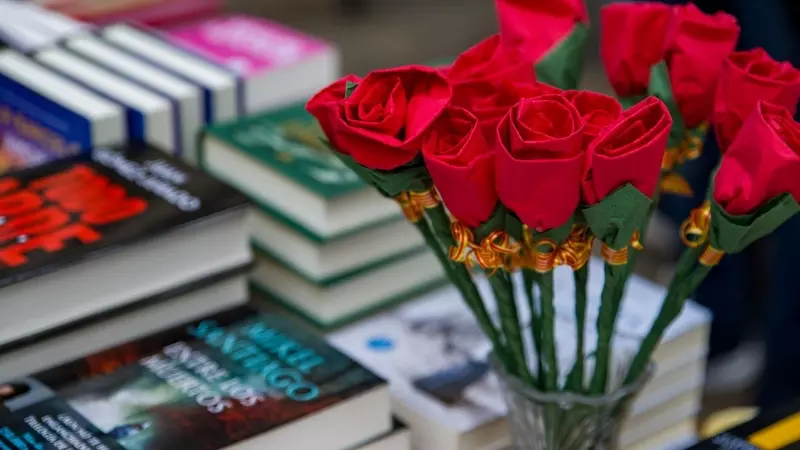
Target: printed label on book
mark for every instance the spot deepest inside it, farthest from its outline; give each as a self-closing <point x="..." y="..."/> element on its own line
<point x="204" y="386"/>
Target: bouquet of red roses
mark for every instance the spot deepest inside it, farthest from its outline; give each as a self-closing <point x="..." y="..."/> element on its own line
<point x="505" y="174"/>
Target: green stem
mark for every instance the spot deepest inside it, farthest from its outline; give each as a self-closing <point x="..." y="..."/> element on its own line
<point x="610" y="300"/>
<point x="549" y="371"/>
<point x="440" y="240"/>
<point x="688" y="275"/>
<point x="503" y="289"/>
<point x="576" y="376"/>
<point x="528" y="280"/>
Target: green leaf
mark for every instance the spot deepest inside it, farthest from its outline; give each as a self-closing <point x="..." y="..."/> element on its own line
<point x="349" y="88"/>
<point x="661" y="87"/>
<point x="615" y="218"/>
<point x="411" y="177"/>
<point x="733" y="234"/>
<point x="562" y="66"/>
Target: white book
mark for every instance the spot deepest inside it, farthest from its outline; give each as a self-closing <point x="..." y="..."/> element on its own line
<point x="221" y="86"/>
<point x="151" y="117"/>
<point x="29" y="27"/>
<point x="45" y="116"/>
<point x="419" y="345"/>
<point x="188" y="96"/>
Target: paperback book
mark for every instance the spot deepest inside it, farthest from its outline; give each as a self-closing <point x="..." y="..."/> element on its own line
<point x="237" y="379"/>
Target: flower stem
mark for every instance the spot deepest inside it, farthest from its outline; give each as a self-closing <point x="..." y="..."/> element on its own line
<point x="549" y="372"/>
<point x="576" y="375"/>
<point x="503" y="289"/>
<point x="528" y="280"/>
<point x="438" y="238"/>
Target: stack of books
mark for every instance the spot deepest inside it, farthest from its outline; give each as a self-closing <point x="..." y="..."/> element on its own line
<point x="232" y="380"/>
<point x="101" y="248"/>
<point x="435" y="358"/>
<point x="329" y="247"/>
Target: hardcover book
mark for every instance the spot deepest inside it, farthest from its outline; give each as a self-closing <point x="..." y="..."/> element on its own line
<point x="279" y="65"/>
<point x="44" y="116"/>
<point x="235" y="380"/>
<point x="278" y="160"/>
<point x="777" y="429"/>
<point x="103" y="231"/>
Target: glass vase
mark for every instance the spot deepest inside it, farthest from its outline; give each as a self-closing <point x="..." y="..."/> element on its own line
<point x="564" y="420"/>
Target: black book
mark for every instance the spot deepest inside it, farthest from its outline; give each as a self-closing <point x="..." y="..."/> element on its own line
<point x="234" y="380"/>
<point x="82" y="237"/>
<point x="778" y="429"/>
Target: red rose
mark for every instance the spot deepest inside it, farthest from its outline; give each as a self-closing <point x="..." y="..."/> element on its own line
<point x="597" y="110"/>
<point x="489" y="102"/>
<point x="749" y="77"/>
<point x="536" y="26"/>
<point x="461" y="165"/>
<point x="699" y="46"/>
<point x="632" y="40"/>
<point x="539" y="160"/>
<point x="629" y="151"/>
<point x="487" y="64"/>
<point x="762" y="163"/>
<point x="380" y="124"/>
<point x="323" y="103"/>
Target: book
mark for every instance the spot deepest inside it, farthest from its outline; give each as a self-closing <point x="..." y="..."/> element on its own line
<point x="148" y="12"/>
<point x="44" y="116"/>
<point x="115" y="327"/>
<point x="399" y="438"/>
<point x="104" y="230"/>
<point x="278" y="160"/>
<point x="188" y="97"/>
<point x="237" y="379"/>
<point x="777" y="429"/>
<point x="343" y="301"/>
<point x="151" y="118"/>
<point x="279" y="65"/>
<point x="434" y="356"/>
<point x="29" y="27"/>
<point x="222" y="88"/>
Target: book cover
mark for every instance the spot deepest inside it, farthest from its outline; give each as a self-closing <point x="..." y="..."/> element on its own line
<point x="60" y="213"/>
<point x="35" y="129"/>
<point x="203" y="386"/>
<point x="245" y="44"/>
<point x="147" y="12"/>
<point x="777" y="429"/>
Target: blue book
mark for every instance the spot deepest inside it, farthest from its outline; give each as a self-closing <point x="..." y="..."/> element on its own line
<point x="44" y="116"/>
<point x="151" y="118"/>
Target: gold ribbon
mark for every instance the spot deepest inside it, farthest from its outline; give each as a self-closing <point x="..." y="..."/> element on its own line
<point x="494" y="251"/>
<point x="544" y="255"/>
<point x="690" y="148"/>
<point x="694" y="233"/>
<point x="619" y="257"/>
<point x="414" y="204"/>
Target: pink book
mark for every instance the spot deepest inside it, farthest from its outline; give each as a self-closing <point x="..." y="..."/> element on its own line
<point x="280" y="65"/>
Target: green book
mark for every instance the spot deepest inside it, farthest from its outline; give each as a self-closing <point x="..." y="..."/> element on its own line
<point x="312" y="213"/>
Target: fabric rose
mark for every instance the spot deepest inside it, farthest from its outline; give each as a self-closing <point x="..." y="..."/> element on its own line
<point x="379" y="125"/>
<point x="597" y="110"/>
<point x="489" y="102"/>
<point x="539" y="159"/>
<point x="488" y="61"/>
<point x="762" y="163"/>
<point x="633" y="39"/>
<point x="749" y="77"/>
<point x="323" y="103"/>
<point x="535" y="26"/>
<point x="461" y="165"/>
<point x="629" y="151"/>
<point x="695" y="54"/>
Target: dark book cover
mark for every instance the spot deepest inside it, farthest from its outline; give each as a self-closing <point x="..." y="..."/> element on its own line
<point x="772" y="430"/>
<point x="62" y="212"/>
<point x="202" y="386"/>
